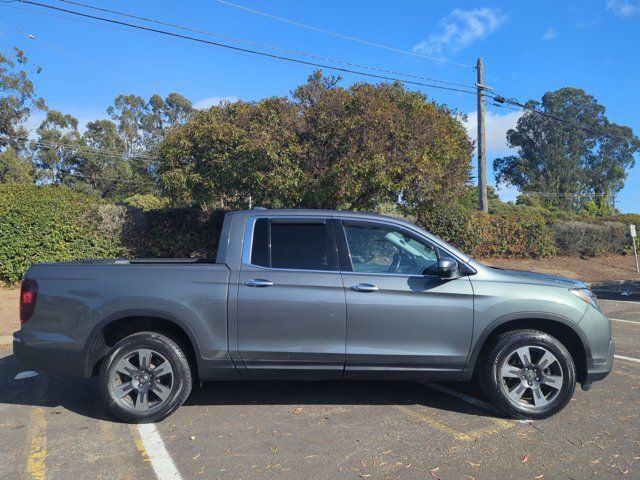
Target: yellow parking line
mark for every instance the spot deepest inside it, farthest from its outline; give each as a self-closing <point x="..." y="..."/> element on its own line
<point x="139" y="443"/>
<point x="500" y="425"/>
<point x="441" y="427"/>
<point x="37" y="442"/>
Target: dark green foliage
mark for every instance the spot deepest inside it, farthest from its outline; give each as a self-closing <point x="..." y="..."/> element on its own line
<point x="172" y="232"/>
<point x="566" y="165"/>
<point x="324" y="147"/>
<point x="48" y="224"/>
<point x="486" y="236"/>
<point x="18" y="100"/>
<point x="14" y="168"/>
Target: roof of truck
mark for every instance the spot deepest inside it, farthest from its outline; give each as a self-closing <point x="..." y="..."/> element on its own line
<point x="314" y="212"/>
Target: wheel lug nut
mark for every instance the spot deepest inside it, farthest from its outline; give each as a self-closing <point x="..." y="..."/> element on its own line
<point x="530" y="383"/>
<point x="537" y="379"/>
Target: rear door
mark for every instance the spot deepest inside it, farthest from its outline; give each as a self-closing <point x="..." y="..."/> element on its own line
<point x="401" y="317"/>
<point x="291" y="302"/>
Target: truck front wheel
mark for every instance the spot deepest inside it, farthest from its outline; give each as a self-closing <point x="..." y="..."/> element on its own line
<point x="144" y="378"/>
<point x="529" y="374"/>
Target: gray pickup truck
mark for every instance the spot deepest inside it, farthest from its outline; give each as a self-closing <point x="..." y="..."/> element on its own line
<point x="311" y="294"/>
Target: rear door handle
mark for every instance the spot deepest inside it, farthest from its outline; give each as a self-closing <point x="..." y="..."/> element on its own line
<point x="364" y="287"/>
<point x="258" y="282"/>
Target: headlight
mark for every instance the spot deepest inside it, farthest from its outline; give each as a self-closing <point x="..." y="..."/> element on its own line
<point x="586" y="295"/>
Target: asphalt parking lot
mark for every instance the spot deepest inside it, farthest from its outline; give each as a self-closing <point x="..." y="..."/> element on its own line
<point x="56" y="428"/>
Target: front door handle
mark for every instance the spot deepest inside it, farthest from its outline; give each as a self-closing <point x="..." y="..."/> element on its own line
<point x="364" y="287"/>
<point x="258" y="282"/>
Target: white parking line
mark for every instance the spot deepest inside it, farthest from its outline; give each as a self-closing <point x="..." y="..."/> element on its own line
<point x="628" y="359"/>
<point x="464" y="397"/>
<point x="624" y="321"/>
<point x="160" y="459"/>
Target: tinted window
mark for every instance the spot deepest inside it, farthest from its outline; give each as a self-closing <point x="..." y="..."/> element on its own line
<point x="260" y="244"/>
<point x="379" y="249"/>
<point x="299" y="246"/>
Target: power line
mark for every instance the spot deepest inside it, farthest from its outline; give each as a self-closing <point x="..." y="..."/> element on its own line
<point x="341" y="35"/>
<point x="263" y="45"/>
<point x="495" y="97"/>
<point x="513" y="101"/>
<point x="245" y="50"/>
<point x="78" y="148"/>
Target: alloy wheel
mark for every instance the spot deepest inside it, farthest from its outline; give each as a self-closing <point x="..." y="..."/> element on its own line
<point x="142" y="380"/>
<point x="531" y="377"/>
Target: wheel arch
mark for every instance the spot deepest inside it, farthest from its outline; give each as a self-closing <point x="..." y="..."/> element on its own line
<point x="558" y="327"/>
<point x="112" y="329"/>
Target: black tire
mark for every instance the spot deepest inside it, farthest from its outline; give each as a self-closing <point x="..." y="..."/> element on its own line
<point x="176" y="385"/>
<point x="538" y="398"/>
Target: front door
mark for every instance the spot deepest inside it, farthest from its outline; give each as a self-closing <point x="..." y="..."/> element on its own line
<point x="401" y="317"/>
<point x="291" y="302"/>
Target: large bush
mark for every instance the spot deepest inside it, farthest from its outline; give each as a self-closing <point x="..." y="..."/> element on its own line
<point x="172" y="232"/>
<point x="485" y="236"/>
<point x="47" y="224"/>
<point x="325" y="147"/>
<point x="591" y="238"/>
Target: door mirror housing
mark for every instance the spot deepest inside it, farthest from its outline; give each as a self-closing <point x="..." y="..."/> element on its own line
<point x="448" y="268"/>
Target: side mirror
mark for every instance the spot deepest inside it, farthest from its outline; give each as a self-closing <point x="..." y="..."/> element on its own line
<point x="448" y="268"/>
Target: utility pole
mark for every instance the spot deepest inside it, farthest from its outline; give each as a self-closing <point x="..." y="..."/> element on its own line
<point x="483" y="204"/>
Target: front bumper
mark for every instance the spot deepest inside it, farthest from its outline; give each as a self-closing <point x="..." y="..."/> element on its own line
<point x="62" y="362"/>
<point x="599" y="369"/>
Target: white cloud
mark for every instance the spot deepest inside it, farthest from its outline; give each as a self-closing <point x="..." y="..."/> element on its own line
<point x="210" y="101"/>
<point x="622" y="8"/>
<point x="460" y="29"/>
<point x="550" y="34"/>
<point x="496" y="127"/>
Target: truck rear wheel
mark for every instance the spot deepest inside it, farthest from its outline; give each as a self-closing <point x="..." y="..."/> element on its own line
<point x="144" y="378"/>
<point x="528" y="374"/>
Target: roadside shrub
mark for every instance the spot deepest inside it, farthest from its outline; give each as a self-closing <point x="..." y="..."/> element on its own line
<point x="490" y="236"/>
<point x="628" y="219"/>
<point x="454" y="224"/>
<point x="172" y="232"/>
<point x="513" y="236"/>
<point x="49" y="224"/>
<point x="591" y="238"/>
<point x="146" y="201"/>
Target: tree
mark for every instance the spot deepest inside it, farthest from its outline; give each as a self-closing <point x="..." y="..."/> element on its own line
<point x="325" y="147"/>
<point x="568" y="153"/>
<point x="100" y="165"/>
<point x="142" y="125"/>
<point x="17" y="98"/>
<point x="56" y="146"/>
<point x="14" y="168"/>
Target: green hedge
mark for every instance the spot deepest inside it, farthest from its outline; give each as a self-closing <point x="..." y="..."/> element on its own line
<point x="591" y="238"/>
<point x="489" y="236"/>
<point x="45" y="224"/>
<point x="49" y="224"/>
<point x="172" y="232"/>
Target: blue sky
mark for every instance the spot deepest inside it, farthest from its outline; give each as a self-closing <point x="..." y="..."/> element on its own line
<point x="528" y="49"/>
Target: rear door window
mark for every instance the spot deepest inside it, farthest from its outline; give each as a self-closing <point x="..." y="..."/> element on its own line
<point x="286" y="244"/>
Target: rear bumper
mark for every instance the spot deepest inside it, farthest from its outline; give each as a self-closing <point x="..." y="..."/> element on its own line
<point x="63" y="362"/>
<point x="598" y="369"/>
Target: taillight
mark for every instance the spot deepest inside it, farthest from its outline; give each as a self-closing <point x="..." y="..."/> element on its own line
<point x="28" y="296"/>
